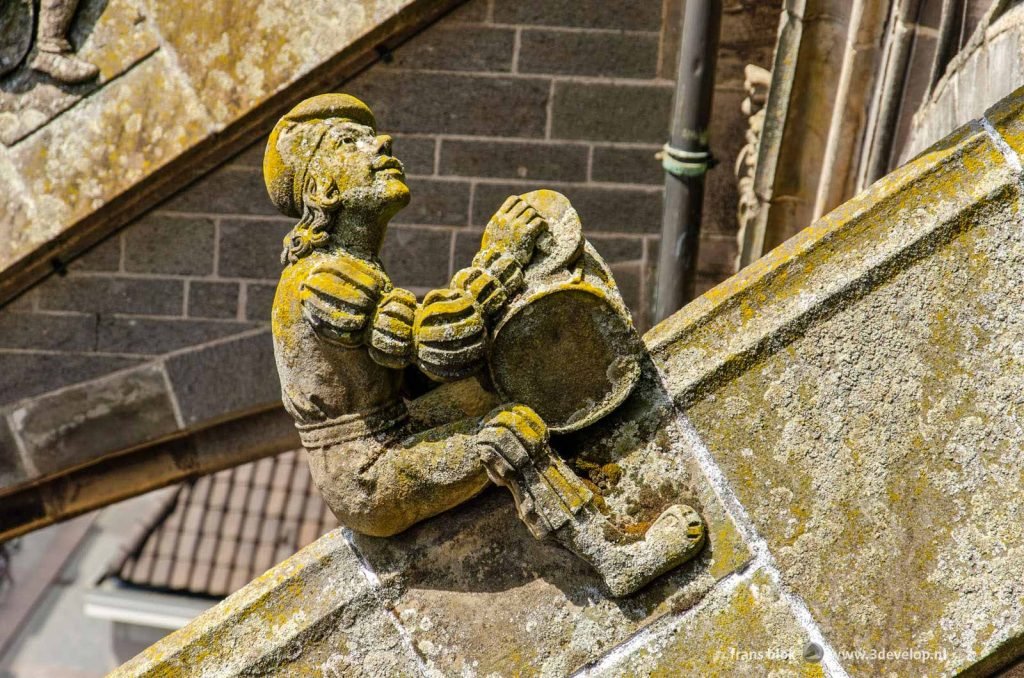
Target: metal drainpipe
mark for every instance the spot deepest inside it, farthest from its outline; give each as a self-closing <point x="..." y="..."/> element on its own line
<point x="686" y="157"/>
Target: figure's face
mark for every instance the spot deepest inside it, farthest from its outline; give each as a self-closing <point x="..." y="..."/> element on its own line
<point x="366" y="176"/>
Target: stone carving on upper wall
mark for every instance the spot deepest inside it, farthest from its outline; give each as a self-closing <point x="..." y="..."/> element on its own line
<point x="55" y="52"/>
<point x="755" y="81"/>
<point x="408" y="409"/>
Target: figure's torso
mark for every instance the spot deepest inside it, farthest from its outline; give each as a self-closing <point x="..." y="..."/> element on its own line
<point x="329" y="389"/>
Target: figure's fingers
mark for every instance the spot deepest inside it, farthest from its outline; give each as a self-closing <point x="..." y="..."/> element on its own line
<point x="504" y="444"/>
<point x="508" y="204"/>
<point x="536" y="226"/>
<point x="526" y="215"/>
<point x="517" y="209"/>
<point x="532" y="419"/>
<point x="523" y="423"/>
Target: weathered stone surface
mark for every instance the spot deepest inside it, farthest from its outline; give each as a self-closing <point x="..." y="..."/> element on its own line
<point x="81" y="294"/>
<point x="12" y="470"/>
<point x="455" y="47"/>
<point x="439" y="202"/>
<point x="411" y="255"/>
<point x="114" y="35"/>
<point x="121" y="134"/>
<point x="153" y="245"/>
<point x="238" y="57"/>
<point x="743" y="630"/>
<point x="17" y="208"/>
<point x="234" y="375"/>
<point x="52" y="332"/>
<point x="600" y="112"/>
<point x="156" y="336"/>
<point x="454" y="103"/>
<point x="250" y="249"/>
<point x="23" y="375"/>
<point x="627" y="165"/>
<point x="16" y="19"/>
<point x="314" y="614"/>
<point x="859" y="387"/>
<point x="617" y="14"/>
<point x="77" y="425"/>
<point x="213" y="299"/>
<point x="230" y="189"/>
<point x="258" y="301"/>
<point x="105" y="256"/>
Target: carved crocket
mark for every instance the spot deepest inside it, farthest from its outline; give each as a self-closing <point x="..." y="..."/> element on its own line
<point x="537" y="317"/>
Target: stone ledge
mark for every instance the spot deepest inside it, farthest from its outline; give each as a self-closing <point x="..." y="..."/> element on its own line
<point x="144" y="427"/>
<point x="884" y="229"/>
<point x="314" y="614"/>
<point x="115" y="477"/>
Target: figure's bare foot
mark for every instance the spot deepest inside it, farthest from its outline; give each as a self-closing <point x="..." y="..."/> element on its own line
<point x="675" y="537"/>
<point x="65" y="67"/>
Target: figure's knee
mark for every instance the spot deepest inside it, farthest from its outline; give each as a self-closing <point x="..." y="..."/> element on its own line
<point x="356" y="499"/>
<point x="381" y="491"/>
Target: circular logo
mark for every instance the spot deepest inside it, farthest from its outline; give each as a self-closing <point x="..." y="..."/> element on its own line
<point x="813" y="653"/>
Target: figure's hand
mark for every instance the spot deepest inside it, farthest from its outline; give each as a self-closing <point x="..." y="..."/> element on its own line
<point x="451" y="337"/>
<point x="339" y="297"/>
<point x="391" y="338"/>
<point x="514" y="228"/>
<point x="510" y="438"/>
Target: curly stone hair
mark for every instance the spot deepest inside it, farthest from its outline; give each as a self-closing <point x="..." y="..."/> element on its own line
<point x="320" y="202"/>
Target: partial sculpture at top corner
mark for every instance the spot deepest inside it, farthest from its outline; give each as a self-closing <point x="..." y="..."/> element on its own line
<point x="532" y="338"/>
<point x="54" y="55"/>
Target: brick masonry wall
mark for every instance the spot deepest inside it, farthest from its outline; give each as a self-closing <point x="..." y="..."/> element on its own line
<point x="499" y="97"/>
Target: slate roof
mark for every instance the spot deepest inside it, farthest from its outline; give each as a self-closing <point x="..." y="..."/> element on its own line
<point x="215" y="534"/>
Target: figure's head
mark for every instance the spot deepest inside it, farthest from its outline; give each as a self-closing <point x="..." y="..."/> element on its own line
<point x="324" y="159"/>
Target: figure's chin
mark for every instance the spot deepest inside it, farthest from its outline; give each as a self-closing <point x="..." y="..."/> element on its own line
<point x="397" y="191"/>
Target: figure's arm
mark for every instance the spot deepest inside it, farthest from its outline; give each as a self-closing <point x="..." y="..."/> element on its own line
<point x="452" y="326"/>
<point x="351" y="303"/>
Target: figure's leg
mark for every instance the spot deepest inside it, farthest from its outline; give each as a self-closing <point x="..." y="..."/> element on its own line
<point x="554" y="502"/>
<point x="383" y="485"/>
<point x="55" y="56"/>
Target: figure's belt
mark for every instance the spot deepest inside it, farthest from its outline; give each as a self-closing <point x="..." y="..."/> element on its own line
<point x="353" y="426"/>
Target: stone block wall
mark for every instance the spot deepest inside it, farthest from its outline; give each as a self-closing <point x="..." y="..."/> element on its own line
<point x="499" y="97"/>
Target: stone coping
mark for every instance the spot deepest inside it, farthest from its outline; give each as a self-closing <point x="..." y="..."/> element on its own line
<point x="165" y="111"/>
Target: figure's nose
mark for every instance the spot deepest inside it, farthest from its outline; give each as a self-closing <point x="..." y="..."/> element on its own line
<point x="384" y="144"/>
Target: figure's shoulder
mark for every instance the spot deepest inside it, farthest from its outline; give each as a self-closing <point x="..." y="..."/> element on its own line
<point x="335" y="293"/>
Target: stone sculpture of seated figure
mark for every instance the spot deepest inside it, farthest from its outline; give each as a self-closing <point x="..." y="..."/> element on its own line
<point x="344" y="336"/>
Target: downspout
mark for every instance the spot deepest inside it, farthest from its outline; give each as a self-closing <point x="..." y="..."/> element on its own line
<point x="686" y="157"/>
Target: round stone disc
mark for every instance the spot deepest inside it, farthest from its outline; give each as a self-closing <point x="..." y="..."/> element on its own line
<point x="16" y="27"/>
<point x="567" y="353"/>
